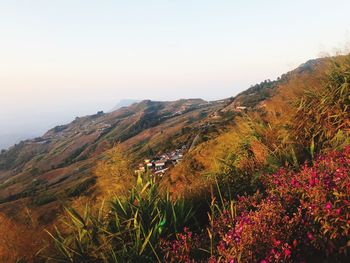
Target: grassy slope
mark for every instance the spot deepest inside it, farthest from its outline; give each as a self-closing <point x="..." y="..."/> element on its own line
<point x="261" y="124"/>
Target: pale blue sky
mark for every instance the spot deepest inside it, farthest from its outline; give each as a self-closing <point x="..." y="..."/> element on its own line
<point x="60" y="59"/>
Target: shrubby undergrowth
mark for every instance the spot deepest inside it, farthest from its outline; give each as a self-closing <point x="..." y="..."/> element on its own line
<point x="303" y="216"/>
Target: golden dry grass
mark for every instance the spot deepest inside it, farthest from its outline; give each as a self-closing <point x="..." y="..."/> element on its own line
<point x="264" y="132"/>
<point x="21" y="241"/>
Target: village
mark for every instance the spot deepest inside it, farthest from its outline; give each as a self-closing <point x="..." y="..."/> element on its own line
<point x="158" y="165"/>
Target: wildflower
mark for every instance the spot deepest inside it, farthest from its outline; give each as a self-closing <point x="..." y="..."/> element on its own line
<point x="287" y="252"/>
<point x="277" y="242"/>
<point x="310" y="236"/>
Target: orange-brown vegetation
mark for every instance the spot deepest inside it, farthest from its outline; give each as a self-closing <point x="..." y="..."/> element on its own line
<point x="114" y="177"/>
<point x="22" y="240"/>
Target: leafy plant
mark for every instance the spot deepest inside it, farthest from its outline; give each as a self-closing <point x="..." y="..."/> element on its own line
<point x="130" y="232"/>
<point x="303" y="216"/>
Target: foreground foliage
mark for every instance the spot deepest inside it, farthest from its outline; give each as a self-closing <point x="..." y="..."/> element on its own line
<point x="303" y="216"/>
<point x="130" y="232"/>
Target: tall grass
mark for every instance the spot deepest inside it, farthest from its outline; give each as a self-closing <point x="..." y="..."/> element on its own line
<point x="322" y="120"/>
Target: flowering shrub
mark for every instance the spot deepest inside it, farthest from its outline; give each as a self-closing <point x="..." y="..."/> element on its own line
<point x="179" y="250"/>
<point x="263" y="234"/>
<point x="302" y="216"/>
<point x="324" y="194"/>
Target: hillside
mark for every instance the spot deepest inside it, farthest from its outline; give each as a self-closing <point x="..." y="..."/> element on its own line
<point x="233" y="142"/>
<point x="60" y="164"/>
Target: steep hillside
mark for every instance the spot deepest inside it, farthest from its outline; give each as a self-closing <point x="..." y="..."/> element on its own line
<point x="233" y="142"/>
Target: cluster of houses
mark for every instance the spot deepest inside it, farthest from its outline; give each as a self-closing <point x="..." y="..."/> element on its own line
<point x="160" y="164"/>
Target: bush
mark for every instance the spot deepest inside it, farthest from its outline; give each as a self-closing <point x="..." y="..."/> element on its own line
<point x="44" y="198"/>
<point x="60" y="128"/>
<point x="80" y="188"/>
<point x="304" y="216"/>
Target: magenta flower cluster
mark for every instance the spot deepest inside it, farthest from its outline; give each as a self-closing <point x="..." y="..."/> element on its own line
<point x="302" y="215"/>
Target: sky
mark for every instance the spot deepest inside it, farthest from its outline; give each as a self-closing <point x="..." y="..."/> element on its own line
<point x="65" y="58"/>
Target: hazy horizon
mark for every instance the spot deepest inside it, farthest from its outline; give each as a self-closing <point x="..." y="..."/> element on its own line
<point x="61" y="59"/>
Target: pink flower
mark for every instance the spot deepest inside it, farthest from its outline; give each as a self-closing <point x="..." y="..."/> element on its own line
<point x="312" y="181"/>
<point x="287" y="252"/>
<point x="294" y="182"/>
<point x="328" y="206"/>
<point x="276" y="243"/>
<point x="310" y="236"/>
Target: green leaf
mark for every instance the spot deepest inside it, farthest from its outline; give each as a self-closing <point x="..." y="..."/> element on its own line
<point x="146" y="242"/>
<point x="312" y="147"/>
